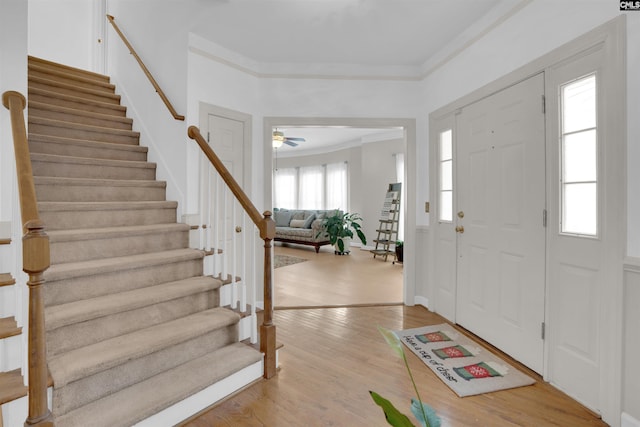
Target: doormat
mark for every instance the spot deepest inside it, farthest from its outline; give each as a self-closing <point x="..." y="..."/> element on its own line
<point x="284" y="260"/>
<point x="463" y="365"/>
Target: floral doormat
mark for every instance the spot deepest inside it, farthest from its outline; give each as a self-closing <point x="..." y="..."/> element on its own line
<point x="284" y="260"/>
<point x="463" y="365"/>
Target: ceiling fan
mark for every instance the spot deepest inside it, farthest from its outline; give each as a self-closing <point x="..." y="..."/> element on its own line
<point x="279" y="139"/>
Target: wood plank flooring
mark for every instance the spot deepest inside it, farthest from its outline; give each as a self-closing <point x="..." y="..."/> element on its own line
<point x="335" y="280"/>
<point x="332" y="357"/>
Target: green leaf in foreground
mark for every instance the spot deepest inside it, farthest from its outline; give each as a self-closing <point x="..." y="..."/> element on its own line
<point x="425" y="410"/>
<point x="393" y="416"/>
<point x="393" y="341"/>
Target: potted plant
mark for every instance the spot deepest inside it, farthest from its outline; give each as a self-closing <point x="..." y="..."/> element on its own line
<point x="340" y="227"/>
<point x="399" y="250"/>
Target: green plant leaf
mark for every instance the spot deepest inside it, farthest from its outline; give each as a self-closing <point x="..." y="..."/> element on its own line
<point x="393" y="416"/>
<point x="393" y="341"/>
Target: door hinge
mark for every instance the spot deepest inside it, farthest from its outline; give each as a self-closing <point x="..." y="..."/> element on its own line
<point x="542" y="330"/>
<point x="544" y="217"/>
<point x="544" y="105"/>
<point x="208" y="137"/>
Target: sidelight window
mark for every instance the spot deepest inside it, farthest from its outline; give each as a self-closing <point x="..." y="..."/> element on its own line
<point x="446" y="176"/>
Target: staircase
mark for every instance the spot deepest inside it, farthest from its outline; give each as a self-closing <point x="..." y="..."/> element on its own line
<point x="132" y="325"/>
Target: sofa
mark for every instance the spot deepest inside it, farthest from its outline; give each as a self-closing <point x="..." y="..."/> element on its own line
<point x="303" y="227"/>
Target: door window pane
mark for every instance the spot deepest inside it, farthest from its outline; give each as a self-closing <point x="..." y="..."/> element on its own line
<point x="579" y="157"/>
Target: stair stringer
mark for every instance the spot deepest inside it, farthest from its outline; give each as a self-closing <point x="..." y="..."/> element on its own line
<point x="163" y="169"/>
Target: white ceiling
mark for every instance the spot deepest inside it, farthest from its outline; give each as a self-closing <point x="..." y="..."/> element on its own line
<point x="401" y="38"/>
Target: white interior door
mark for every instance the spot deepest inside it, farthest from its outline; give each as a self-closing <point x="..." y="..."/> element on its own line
<point x="500" y="213"/>
<point x="226" y="137"/>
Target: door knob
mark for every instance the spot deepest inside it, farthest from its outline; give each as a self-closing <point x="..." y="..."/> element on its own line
<point x="459" y="229"/>
<point x="461" y="214"/>
<point x="238" y="229"/>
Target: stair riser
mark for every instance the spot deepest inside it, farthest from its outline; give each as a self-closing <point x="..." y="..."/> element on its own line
<point x="97" y="152"/>
<point x="89" y="193"/>
<point x="90" y="135"/>
<point x="85" y="250"/>
<point x="117" y="378"/>
<point x="91" y="171"/>
<point x="68" y="220"/>
<point x="110" y="109"/>
<point x="90" y="332"/>
<point x="82" y="287"/>
<point x="81" y="83"/>
<point x="75" y="92"/>
<point x="81" y="119"/>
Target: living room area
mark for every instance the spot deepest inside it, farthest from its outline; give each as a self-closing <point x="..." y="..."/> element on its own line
<point x="319" y="171"/>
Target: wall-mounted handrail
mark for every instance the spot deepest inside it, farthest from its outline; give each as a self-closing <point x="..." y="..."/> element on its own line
<point x="146" y="71"/>
<point x="35" y="260"/>
<point x="267" y="229"/>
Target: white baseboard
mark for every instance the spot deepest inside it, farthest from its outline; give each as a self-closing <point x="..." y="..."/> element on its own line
<point x="207" y="397"/>
<point x="422" y="301"/>
<point x="627" y="420"/>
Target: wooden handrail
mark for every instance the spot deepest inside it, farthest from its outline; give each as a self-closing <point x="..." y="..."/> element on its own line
<point x="267" y="228"/>
<point x="35" y="260"/>
<point x="146" y="71"/>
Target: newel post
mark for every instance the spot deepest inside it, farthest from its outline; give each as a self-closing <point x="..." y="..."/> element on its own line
<point x="268" y="329"/>
<point x="36" y="259"/>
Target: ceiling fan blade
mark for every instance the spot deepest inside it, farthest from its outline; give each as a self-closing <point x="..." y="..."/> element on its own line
<point x="290" y="143"/>
<point x="296" y="139"/>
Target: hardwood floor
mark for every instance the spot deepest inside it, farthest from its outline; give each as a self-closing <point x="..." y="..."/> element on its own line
<point x="333" y="280"/>
<point x="332" y="357"/>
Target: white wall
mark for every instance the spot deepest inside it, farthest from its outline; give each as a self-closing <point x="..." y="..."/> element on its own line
<point x="63" y="23"/>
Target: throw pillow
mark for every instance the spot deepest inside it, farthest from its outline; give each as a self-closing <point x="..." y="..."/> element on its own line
<point x="309" y="221"/>
<point x="283" y="218"/>
<point x="297" y="223"/>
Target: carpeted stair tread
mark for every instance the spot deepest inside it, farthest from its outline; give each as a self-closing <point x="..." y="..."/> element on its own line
<point x="94" y="243"/>
<point x="148" y="397"/>
<point x="62" y="189"/>
<point x="85" y="148"/>
<point x="76" y="235"/>
<point x="106" y="265"/>
<point x="43" y="63"/>
<point x="82" y="362"/>
<point x="98" y="182"/>
<point x="79" y="311"/>
<point x="77" y="79"/>
<point x="98" y="133"/>
<point x="70" y="101"/>
<point x="104" y="206"/>
<point x="54" y="158"/>
<point x="79" y="91"/>
<point x="55" y="112"/>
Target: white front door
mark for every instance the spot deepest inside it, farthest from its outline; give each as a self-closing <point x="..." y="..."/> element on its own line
<point x="499" y="220"/>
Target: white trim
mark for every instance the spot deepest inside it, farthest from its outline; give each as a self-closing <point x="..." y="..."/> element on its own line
<point x="632" y="264"/>
<point x="418" y="300"/>
<point x="203" y="399"/>
<point x="627" y="420"/>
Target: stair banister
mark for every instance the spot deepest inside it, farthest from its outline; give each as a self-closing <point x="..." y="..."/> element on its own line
<point x="35" y="260"/>
<point x="146" y="71"/>
<point x="267" y="228"/>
